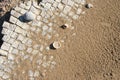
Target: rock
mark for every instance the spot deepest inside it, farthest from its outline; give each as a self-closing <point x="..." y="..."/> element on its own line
<point x="29" y="16"/>
<point x="56" y="44"/>
<point x="89" y="6"/>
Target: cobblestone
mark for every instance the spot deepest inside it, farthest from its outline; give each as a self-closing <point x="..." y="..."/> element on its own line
<point x="26" y="39"/>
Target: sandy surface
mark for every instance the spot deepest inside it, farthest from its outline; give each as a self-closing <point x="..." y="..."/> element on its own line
<point x="93" y="54"/>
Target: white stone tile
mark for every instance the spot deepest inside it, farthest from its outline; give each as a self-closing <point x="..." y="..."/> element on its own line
<point x="79" y="11"/>
<point x="15" y="44"/>
<point x="48" y="5"/>
<point x="21" y="47"/>
<point x="22" y="5"/>
<point x="34" y="10"/>
<point x="34" y="52"/>
<point x="18" y="9"/>
<point x="23" y="11"/>
<point x="29" y="42"/>
<point x="2" y="59"/>
<point x="11" y="57"/>
<point x="5" y="46"/>
<point x="10" y="50"/>
<point x="5" y="76"/>
<point x="20" y="30"/>
<point x="36" y="46"/>
<point x="70" y="3"/>
<point x="60" y="6"/>
<point x="4" y="31"/>
<point x="11" y="40"/>
<point x="19" y="23"/>
<point x="13" y="20"/>
<point x="65" y="2"/>
<point x="20" y="37"/>
<point x="6" y="38"/>
<point x="66" y="9"/>
<point x="14" y="35"/>
<point x="12" y="27"/>
<point x="15" y="51"/>
<point x="55" y="4"/>
<point x="3" y="52"/>
<point x="25" y="26"/>
<point x="29" y="50"/>
<point x="6" y="25"/>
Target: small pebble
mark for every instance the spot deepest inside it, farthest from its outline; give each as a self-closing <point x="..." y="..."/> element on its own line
<point x="89" y="6"/>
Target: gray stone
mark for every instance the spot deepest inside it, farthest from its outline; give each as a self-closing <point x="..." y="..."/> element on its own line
<point x="29" y="16"/>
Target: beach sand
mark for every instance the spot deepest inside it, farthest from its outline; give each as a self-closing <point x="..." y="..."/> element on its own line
<point x="93" y="54"/>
